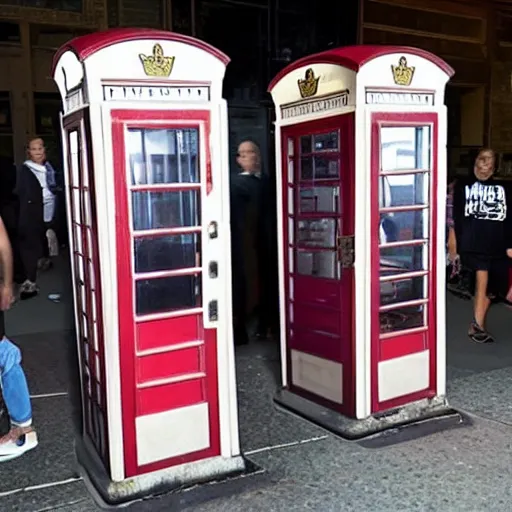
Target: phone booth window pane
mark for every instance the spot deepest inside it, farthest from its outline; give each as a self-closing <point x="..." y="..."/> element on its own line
<point x="319" y="168"/>
<point x="163" y="155"/>
<point x="167" y="294"/>
<point x="319" y="199"/>
<point x="154" y="210"/>
<point x="405" y="147"/>
<point x="404" y="190"/>
<point x="326" y="141"/>
<point x="393" y="292"/>
<point x="396" y="260"/>
<point x="317" y="233"/>
<point x="171" y="252"/>
<point x="74" y="161"/>
<point x="406" y="317"/>
<point x="403" y="226"/>
<point x="317" y="264"/>
<point x="306" y="144"/>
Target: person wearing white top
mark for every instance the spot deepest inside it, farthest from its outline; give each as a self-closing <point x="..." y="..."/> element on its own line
<point x="36" y="191"/>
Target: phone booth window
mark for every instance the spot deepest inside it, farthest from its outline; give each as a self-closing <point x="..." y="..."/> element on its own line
<point x="404" y="227"/>
<point x="165" y="195"/>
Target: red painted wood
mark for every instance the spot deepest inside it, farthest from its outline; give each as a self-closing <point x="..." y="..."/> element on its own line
<point x="137" y="401"/>
<point x="169" y="364"/>
<point x="323" y="304"/>
<point x="89" y="44"/>
<point x="156" y="334"/>
<point x="354" y="57"/>
<point x="170" y="396"/>
<point x="402" y="345"/>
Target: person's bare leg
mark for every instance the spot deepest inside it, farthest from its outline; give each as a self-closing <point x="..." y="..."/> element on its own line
<point x="482" y="301"/>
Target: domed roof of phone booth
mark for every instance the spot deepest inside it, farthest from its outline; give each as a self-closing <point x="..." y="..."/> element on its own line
<point x="89" y="44"/>
<point x="355" y="57"/>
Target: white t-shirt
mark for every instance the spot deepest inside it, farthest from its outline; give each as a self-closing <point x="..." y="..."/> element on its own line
<point x="40" y="173"/>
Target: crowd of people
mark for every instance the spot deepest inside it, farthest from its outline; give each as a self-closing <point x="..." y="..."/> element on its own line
<point x="29" y="213"/>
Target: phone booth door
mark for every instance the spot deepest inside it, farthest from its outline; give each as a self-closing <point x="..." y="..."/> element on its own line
<point x="319" y="232"/>
<point x="161" y="179"/>
<point x="89" y="319"/>
<point x="404" y="174"/>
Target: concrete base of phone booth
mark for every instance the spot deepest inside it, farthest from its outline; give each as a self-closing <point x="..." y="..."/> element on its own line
<point x="201" y="481"/>
<point x="433" y="415"/>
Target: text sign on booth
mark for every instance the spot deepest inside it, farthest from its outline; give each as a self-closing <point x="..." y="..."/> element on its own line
<point x="316" y="106"/>
<point x="400" y="98"/>
<point x="152" y="93"/>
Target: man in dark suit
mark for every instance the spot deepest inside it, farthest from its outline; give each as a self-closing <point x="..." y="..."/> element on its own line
<point x="252" y="243"/>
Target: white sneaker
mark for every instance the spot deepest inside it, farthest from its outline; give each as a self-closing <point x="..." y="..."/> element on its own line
<point x="16" y="448"/>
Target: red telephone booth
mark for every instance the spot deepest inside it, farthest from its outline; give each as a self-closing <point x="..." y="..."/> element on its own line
<point x="361" y="152"/>
<point x="146" y="148"/>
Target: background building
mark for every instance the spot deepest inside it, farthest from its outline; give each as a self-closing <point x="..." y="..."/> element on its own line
<point x="262" y="36"/>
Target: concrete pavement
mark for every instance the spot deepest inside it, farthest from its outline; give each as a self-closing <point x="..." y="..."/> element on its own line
<point x="466" y="469"/>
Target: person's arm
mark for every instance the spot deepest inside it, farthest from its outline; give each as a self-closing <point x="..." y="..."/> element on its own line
<point x="6" y="265"/>
<point x="455" y="227"/>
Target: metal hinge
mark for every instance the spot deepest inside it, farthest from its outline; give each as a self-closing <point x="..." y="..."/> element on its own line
<point x="346" y="253"/>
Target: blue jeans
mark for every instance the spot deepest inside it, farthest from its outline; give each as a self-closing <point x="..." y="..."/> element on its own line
<point x="14" y="384"/>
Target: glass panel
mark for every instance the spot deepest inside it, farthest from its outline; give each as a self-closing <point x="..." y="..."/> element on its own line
<point x="405" y="147"/>
<point x="166" y="252"/>
<point x="163" y="155"/>
<point x="319" y="199"/>
<point x="167" y="294"/>
<point x="402" y="318"/>
<point x="153" y="210"/>
<point x="74" y="161"/>
<point x="306" y="144"/>
<point x="405" y="290"/>
<point x="317" y="233"/>
<point x="317" y="264"/>
<point x="77" y="214"/>
<point x="326" y="141"/>
<point x="318" y="168"/>
<point x="396" y="260"/>
<point x="403" y="226"/>
<point x="403" y="190"/>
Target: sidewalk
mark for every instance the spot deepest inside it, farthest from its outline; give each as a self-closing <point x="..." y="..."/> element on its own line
<point x="466" y="469"/>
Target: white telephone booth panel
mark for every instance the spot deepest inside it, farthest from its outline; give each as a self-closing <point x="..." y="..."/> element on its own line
<point x="146" y="146"/>
<point x="361" y="152"/>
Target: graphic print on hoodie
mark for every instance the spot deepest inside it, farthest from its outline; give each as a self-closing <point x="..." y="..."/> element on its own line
<point x="485" y="201"/>
<point x="482" y="218"/>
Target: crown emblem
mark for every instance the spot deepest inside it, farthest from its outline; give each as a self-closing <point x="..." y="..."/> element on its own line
<point x="309" y="84"/>
<point x="402" y="74"/>
<point x="157" y="64"/>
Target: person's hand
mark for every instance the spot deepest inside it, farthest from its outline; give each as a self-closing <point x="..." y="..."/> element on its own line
<point x="6" y="297"/>
<point x="509" y="253"/>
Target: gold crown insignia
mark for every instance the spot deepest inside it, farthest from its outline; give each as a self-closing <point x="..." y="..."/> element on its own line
<point x="309" y="84"/>
<point x="157" y="64"/>
<point x="402" y="74"/>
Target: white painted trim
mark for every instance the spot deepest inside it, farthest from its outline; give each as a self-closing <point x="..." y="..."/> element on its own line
<point x="281" y="255"/>
<point x="404" y="375"/>
<point x="317" y="375"/>
<point x="172" y="433"/>
<point x="228" y="402"/>
<point x="362" y="264"/>
<point x="106" y="210"/>
<point x="314" y="117"/>
<point x="440" y="299"/>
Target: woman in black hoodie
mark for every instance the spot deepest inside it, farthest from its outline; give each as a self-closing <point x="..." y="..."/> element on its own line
<point x="483" y="230"/>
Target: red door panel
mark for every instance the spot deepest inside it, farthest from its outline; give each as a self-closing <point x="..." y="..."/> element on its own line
<point x="168" y="358"/>
<point x="403" y="242"/>
<point x="318" y="165"/>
